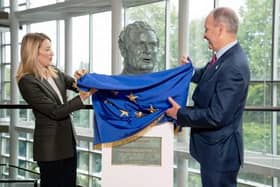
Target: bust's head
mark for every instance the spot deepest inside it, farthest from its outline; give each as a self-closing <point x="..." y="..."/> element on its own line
<point x="139" y="46"/>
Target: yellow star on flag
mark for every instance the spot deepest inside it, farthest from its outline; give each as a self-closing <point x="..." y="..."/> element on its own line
<point x="139" y="114"/>
<point x="132" y="97"/>
<point x="124" y="113"/>
<point x="152" y="109"/>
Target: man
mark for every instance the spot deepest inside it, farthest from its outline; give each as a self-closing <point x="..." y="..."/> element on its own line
<point x="139" y="46"/>
<point x="219" y="100"/>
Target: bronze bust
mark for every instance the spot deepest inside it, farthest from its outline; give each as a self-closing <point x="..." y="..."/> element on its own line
<point x="139" y="47"/>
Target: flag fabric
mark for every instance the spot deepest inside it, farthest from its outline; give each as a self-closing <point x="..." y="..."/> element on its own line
<point x="126" y="104"/>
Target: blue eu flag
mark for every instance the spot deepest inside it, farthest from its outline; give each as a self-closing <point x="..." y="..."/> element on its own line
<point x="126" y="104"/>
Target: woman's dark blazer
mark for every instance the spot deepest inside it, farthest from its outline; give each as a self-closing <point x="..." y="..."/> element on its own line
<point x="53" y="133"/>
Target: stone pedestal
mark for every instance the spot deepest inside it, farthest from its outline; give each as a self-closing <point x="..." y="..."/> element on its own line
<point x="147" y="161"/>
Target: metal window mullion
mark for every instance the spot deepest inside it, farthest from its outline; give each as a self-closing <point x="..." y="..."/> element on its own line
<point x="275" y="46"/>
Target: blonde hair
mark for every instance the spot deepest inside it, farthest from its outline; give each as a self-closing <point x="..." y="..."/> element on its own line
<point x="29" y="64"/>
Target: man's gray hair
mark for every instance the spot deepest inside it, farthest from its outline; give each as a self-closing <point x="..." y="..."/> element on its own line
<point x="228" y="17"/>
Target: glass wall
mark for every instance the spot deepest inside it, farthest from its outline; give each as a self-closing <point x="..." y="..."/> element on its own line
<point x="81" y="46"/>
<point x="91" y="50"/>
<point x="154" y="15"/>
<point x="101" y="47"/>
<point x="198" y="47"/>
<point x="5" y="70"/>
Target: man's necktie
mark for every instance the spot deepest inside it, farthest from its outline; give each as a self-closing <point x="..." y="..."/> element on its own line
<point x="213" y="60"/>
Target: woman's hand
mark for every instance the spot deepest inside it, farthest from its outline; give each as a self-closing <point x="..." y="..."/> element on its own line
<point x="79" y="73"/>
<point x="85" y="95"/>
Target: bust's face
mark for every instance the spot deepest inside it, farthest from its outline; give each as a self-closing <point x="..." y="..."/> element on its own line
<point x="142" y="52"/>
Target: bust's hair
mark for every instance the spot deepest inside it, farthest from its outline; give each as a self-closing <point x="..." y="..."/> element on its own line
<point x="136" y="26"/>
<point x="29" y="50"/>
<point x="228" y="17"/>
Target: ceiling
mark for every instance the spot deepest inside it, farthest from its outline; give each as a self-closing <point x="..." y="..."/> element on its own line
<point x="71" y="8"/>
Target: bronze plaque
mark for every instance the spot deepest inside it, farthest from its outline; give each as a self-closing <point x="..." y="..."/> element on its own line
<point x="143" y="151"/>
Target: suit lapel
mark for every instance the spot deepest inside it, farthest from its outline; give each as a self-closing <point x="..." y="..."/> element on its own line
<point x="58" y="82"/>
<point x="50" y="91"/>
<point x="210" y="71"/>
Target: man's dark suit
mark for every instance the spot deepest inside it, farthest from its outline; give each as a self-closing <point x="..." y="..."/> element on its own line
<point x="216" y="119"/>
<point x="53" y="134"/>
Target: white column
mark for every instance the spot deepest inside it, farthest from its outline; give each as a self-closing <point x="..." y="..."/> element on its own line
<point x="182" y="163"/>
<point x="68" y="46"/>
<point x="167" y="34"/>
<point x="117" y="23"/>
<point x="14" y="26"/>
<point x="183" y="27"/>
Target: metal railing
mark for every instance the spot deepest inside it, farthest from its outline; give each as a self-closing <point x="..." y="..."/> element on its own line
<point x="247" y="108"/>
<point x="19" y="182"/>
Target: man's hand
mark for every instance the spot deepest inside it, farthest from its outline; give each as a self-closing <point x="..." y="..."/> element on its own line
<point x="172" y="112"/>
<point x="185" y="60"/>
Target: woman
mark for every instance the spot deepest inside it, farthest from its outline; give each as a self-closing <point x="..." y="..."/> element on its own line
<point x="44" y="88"/>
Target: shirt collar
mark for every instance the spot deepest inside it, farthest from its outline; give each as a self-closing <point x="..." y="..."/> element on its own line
<point x="225" y="48"/>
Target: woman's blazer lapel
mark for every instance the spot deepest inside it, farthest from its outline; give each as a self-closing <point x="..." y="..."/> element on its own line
<point x="50" y="91"/>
